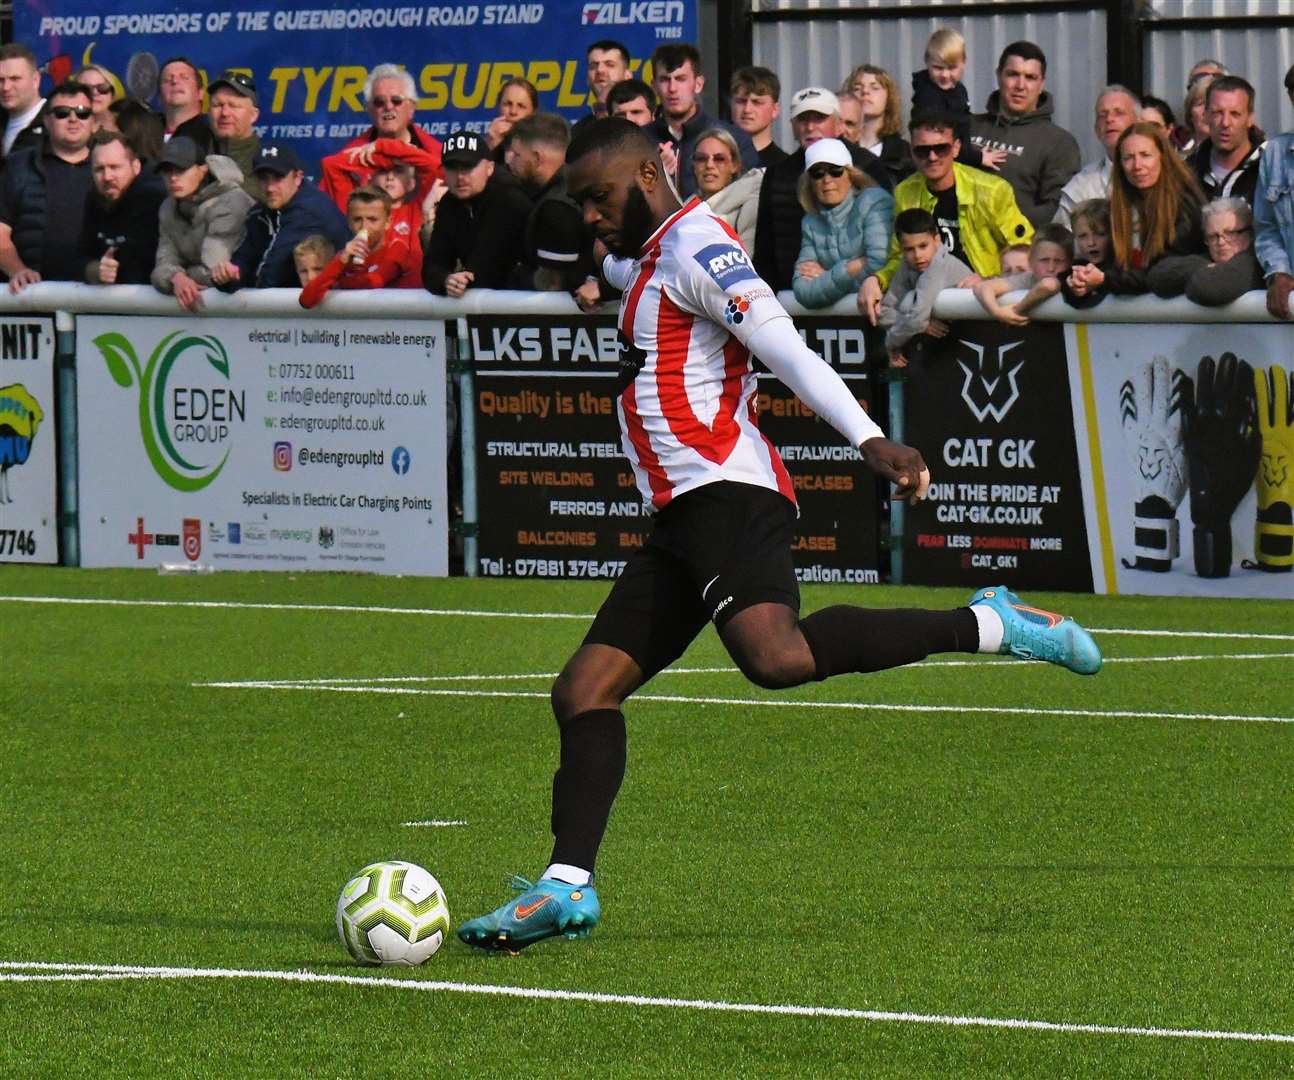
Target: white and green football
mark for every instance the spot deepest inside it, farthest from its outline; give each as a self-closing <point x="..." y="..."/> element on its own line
<point x="392" y="913"/>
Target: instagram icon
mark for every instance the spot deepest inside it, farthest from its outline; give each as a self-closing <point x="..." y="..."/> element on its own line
<point x="283" y="456"/>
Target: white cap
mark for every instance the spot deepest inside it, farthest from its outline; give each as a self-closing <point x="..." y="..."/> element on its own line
<point x="827" y="151"/>
<point x="816" y="99"/>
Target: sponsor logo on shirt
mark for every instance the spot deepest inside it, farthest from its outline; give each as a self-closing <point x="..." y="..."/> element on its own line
<point x="727" y="264"/>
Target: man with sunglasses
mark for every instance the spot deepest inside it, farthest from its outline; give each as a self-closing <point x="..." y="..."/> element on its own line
<point x="47" y="184"/>
<point x="815" y="114"/>
<point x="976" y="211"/>
<point x="391" y="97"/>
<point x="21" y="106"/>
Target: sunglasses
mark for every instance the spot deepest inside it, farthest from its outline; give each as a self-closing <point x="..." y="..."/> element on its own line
<point x="932" y="150"/>
<point x="1229" y="236"/>
<point x="394" y="100"/>
<point x="820" y="171"/>
<point x="704" y="159"/>
<point x="101" y="89"/>
<point x="62" y="112"/>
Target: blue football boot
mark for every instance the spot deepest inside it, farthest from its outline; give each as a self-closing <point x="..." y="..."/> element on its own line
<point x="1029" y="633"/>
<point x="542" y="910"/>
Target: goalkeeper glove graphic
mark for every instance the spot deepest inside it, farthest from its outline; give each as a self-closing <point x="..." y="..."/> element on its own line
<point x="1151" y="405"/>
<point x="1274" y="529"/>
<point x="1222" y="448"/>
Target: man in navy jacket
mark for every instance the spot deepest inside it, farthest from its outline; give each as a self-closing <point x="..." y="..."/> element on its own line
<point x="292" y="211"/>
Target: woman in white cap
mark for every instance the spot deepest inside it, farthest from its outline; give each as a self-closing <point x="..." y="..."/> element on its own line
<point x="845" y="234"/>
<point x="732" y="194"/>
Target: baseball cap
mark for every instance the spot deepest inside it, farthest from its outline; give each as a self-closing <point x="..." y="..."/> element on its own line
<point x="464" y="148"/>
<point x="278" y="158"/>
<point x="827" y="152"/>
<point x="238" y="81"/>
<point x="180" y="153"/>
<point x="816" y="99"/>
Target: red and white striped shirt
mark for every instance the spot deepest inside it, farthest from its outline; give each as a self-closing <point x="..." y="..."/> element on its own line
<point x="692" y="301"/>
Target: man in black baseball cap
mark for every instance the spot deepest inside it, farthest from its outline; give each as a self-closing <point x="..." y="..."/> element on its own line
<point x="290" y="211"/>
<point x="479" y="224"/>
<point x="234" y="109"/>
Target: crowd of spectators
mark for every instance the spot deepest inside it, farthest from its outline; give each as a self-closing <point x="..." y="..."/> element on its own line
<point x="102" y="188"/>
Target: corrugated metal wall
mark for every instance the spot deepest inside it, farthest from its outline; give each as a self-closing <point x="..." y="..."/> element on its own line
<point x="822" y="52"/>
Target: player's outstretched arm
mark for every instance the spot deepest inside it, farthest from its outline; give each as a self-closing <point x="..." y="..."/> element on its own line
<point x="816" y="383"/>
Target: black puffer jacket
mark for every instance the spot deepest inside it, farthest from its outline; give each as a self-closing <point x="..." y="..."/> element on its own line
<point x="484" y="235"/>
<point x="128" y="225"/>
<point x="23" y="199"/>
<point x="777" y="229"/>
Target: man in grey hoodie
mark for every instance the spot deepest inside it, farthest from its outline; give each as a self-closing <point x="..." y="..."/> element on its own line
<point x="1041" y="157"/>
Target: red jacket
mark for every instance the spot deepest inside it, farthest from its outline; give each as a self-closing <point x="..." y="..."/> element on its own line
<point x="341" y="175"/>
<point x="391" y="266"/>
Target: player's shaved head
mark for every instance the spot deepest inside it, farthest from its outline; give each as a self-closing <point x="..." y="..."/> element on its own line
<point x="612" y="136"/>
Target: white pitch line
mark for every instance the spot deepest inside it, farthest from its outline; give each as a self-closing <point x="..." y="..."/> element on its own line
<point x="432" y="824"/>
<point x="859" y="706"/>
<point x="239" y="605"/>
<point x="29" y="971"/>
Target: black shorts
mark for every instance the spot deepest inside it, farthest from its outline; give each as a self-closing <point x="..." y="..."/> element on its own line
<point x="714" y="551"/>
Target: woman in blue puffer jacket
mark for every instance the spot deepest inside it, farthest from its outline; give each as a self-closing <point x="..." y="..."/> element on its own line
<point x="845" y="234"/>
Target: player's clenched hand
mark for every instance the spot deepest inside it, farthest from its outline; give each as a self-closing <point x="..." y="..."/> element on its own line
<point x="899" y="464"/>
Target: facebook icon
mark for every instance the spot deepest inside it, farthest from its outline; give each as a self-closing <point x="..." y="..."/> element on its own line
<point x="400" y="460"/>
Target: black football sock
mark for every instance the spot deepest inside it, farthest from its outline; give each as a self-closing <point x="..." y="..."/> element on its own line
<point x="844" y="639"/>
<point x="585" y="785"/>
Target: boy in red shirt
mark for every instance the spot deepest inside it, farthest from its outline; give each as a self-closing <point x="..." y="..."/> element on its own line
<point x="373" y="259"/>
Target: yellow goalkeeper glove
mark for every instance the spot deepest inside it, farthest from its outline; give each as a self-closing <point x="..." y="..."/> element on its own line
<point x="1274" y="529"/>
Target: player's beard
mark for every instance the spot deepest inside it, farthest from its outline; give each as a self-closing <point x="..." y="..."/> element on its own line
<point x="636" y="225"/>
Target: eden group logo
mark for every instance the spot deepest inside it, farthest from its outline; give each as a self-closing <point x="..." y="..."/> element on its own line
<point x="189" y="413"/>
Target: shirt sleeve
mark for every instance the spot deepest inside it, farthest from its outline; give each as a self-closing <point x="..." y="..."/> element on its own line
<point x="815" y="382"/>
<point x="718" y="281"/>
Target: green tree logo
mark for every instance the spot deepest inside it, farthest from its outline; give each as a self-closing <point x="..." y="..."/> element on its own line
<point x="151" y="378"/>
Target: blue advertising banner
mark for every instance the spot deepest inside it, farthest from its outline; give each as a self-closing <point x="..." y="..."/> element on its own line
<point x="310" y="58"/>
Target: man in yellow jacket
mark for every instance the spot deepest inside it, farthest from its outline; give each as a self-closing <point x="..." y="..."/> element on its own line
<point x="976" y="211"/>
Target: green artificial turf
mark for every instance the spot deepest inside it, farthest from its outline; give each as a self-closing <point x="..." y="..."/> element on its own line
<point x="1054" y="863"/>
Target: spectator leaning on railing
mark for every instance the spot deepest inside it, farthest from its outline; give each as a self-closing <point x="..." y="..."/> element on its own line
<point x="1154" y="212"/>
<point x="373" y="258"/>
<point x="1228" y="272"/>
<point x="291" y="211"/>
<point x="119" y="238"/>
<point x="975" y="211"/>
<point x="1274" y="216"/>
<point x="846" y="227"/>
<point x="477" y="239"/>
<point x="43" y="195"/>
<point x="201" y="222"/>
<point x="815" y="114"/>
